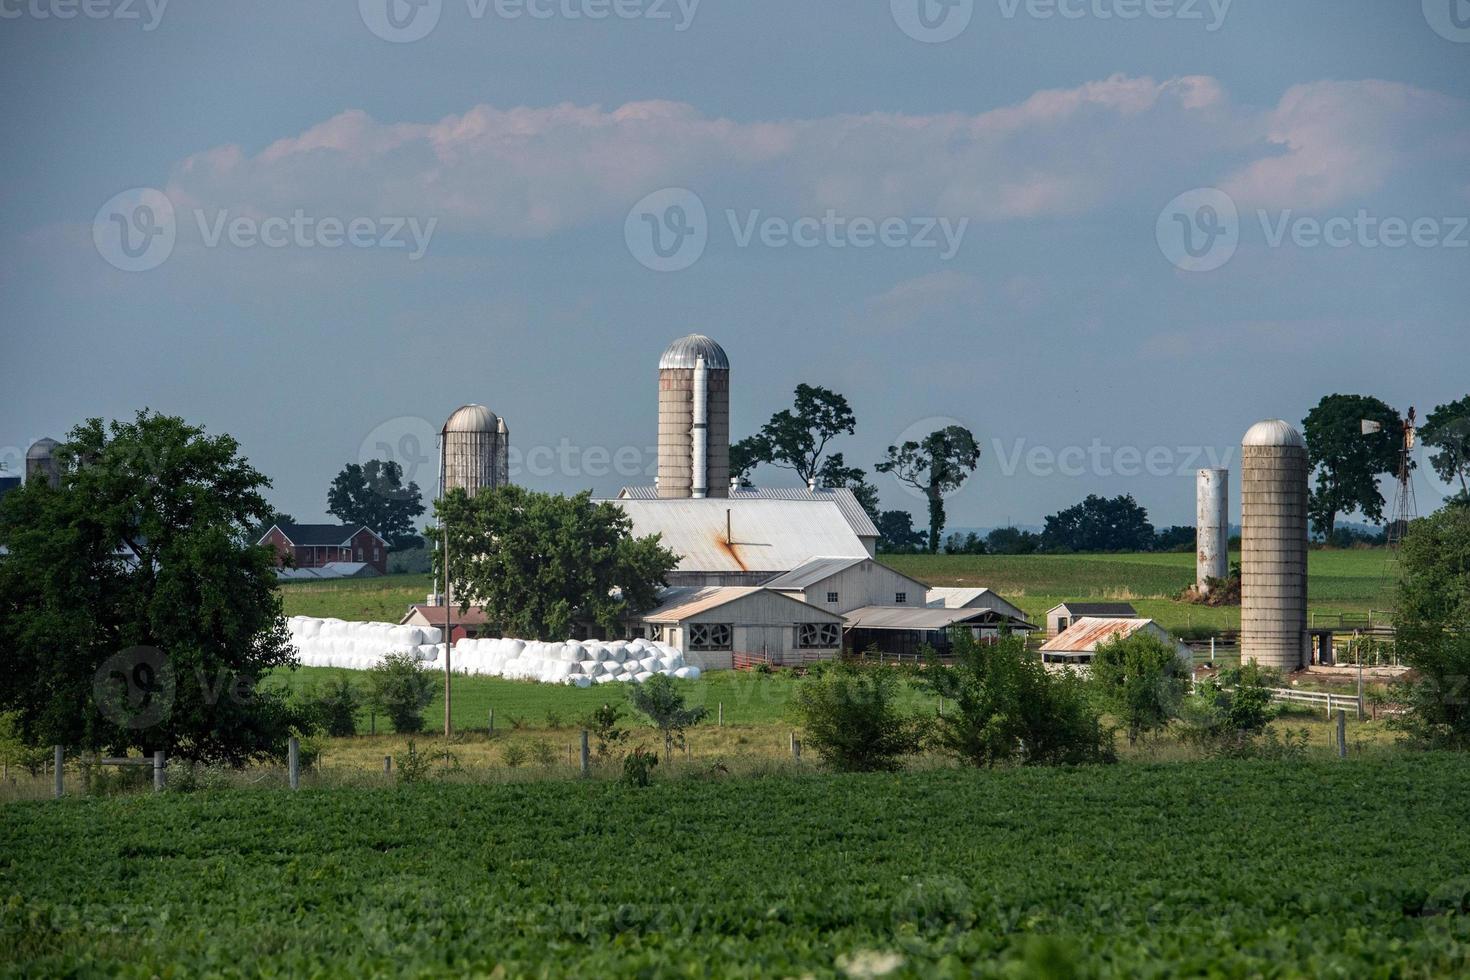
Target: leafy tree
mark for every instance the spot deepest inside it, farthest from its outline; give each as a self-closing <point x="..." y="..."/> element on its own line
<point x="1434" y="591"/>
<point x="896" y="533"/>
<point x="796" y="438"/>
<point x="1447" y="431"/>
<point x="837" y="474"/>
<point x="1012" y="541"/>
<point x="936" y="466"/>
<point x="603" y="723"/>
<point x="332" y="707"/>
<point x="658" y="699"/>
<point x="964" y="544"/>
<point x="136" y="608"/>
<point x="541" y="562"/>
<point x="1006" y="707"/>
<point x="1176" y="538"/>
<point x="1348" y="462"/>
<point x="401" y="688"/>
<point x="1141" y="681"/>
<point x="852" y="717"/>
<point x="373" y="494"/>
<point x="1098" y="524"/>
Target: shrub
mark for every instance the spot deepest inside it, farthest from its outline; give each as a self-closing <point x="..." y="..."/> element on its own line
<point x="544" y="753"/>
<point x="332" y="707"/>
<point x="514" y="755"/>
<point x="413" y="766"/>
<point x="658" y="699"/>
<point x="553" y="718"/>
<point x="638" y="767"/>
<point x="1006" y="707"/>
<point x="401" y="689"/>
<point x="1232" y="722"/>
<point x="852" y="719"/>
<point x="1436" y="697"/>
<point x="603" y="726"/>
<point x="1140" y="680"/>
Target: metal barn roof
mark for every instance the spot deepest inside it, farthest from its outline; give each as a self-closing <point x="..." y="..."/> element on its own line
<point x="681" y="603"/>
<point x="845" y="499"/>
<point x="1085" y="635"/>
<point x="813" y="572"/>
<point x="1123" y="610"/>
<point x="764" y="535"/>
<point x="972" y="598"/>
<point x="917" y="617"/>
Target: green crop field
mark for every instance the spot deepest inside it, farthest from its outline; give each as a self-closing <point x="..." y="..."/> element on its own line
<point x="1304" y="869"/>
<point x="1351" y="582"/>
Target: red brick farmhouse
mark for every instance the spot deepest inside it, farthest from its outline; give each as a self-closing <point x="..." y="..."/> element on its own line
<point x="315" y="545"/>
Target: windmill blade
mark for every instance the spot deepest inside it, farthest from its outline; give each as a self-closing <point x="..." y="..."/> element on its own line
<point x="1371" y="427"/>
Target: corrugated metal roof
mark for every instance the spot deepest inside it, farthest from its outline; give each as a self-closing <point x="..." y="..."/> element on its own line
<point x="765" y="535"/>
<point x="683" y="352"/>
<point x="472" y="418"/>
<point x="972" y="598"/>
<point x="680" y="604"/>
<point x="812" y="572"/>
<point x="1087" y="633"/>
<point x="846" y="501"/>
<point x="911" y="617"/>
<point x="1123" y="610"/>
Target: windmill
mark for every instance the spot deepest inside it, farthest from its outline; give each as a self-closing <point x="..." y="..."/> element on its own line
<point x="1405" y="506"/>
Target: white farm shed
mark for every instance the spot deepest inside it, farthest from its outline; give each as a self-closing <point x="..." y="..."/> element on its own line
<point x="740" y="541"/>
<point x="842" y="584"/>
<point x="971" y="598"/>
<point x="710" y="626"/>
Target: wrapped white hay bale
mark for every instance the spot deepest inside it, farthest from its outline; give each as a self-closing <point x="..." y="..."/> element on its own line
<point x="642" y="676"/>
<point x="583" y="681"/>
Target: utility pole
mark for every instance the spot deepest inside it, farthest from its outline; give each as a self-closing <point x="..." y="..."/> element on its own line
<point x="448" y="635"/>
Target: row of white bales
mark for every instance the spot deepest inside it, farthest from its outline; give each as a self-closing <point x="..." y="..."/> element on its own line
<point x="362" y="646"/>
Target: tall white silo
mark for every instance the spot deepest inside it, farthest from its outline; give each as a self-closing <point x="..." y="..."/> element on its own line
<point x="469" y="447"/>
<point x="1212" y="527"/>
<point x="1273" y="498"/>
<point x="694" y="419"/>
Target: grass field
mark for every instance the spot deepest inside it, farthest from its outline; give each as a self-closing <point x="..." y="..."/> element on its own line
<point x="1225" y="869"/>
<point x="1353" y="582"/>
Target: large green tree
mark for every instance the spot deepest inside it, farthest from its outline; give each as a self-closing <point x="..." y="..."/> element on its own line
<point x="1446" y="430"/>
<point x="896" y="533"/>
<point x="797" y="438"/>
<point x="936" y="466"/>
<point x="1100" y="524"/>
<point x="1347" y="461"/>
<point x="541" y="562"/>
<point x="1141" y="681"/>
<point x="373" y="493"/>
<point x="136" y="610"/>
<point x="1432" y="628"/>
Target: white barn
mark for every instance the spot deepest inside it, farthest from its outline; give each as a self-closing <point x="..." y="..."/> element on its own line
<point x="843" y="584"/>
<point x="712" y="625"/>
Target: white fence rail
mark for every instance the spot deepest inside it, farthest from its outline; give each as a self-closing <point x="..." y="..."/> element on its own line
<point x="1324" y="699"/>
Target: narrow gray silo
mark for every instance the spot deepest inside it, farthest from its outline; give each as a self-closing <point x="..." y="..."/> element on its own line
<point x="502" y="453"/>
<point x="469" y="451"/>
<point x="1212" y="527"/>
<point x="694" y="419"/>
<point x="41" y="462"/>
<point x="1273" y="499"/>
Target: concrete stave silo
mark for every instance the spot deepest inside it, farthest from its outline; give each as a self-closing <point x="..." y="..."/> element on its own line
<point x="694" y="419"/>
<point x="472" y="452"/>
<point x="1273" y="492"/>
<point x="1212" y="527"/>
<point x="41" y="462"/>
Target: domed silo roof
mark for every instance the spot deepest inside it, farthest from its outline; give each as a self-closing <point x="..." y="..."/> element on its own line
<point x="1274" y="432"/>
<point x="472" y="418"/>
<point x="683" y="352"/>
<point x="42" y="449"/>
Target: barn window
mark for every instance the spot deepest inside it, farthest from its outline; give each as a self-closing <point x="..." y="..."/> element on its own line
<point x="832" y="597"/>
<point x="711" y="636"/>
<point x="359" y="554"/>
<point x="377" y="554"/>
<point x="818" y="636"/>
<point x="900" y="598"/>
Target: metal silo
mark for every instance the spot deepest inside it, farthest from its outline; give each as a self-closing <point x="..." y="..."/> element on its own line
<point x="502" y="453"/>
<point x="1273" y="498"/>
<point x="41" y="462"/>
<point x="469" y="447"/>
<point x="1212" y="527"/>
<point x="694" y="419"/>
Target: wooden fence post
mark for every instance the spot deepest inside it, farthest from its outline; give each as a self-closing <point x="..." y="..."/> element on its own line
<point x="720" y="723"/>
<point x="58" y="761"/>
<point x="158" y="771"/>
<point x="795" y="747"/>
<point x="491" y="721"/>
<point x="1342" y="734"/>
<point x="1360" y="692"/>
<point x="387" y="765"/>
<point x="586" y="755"/>
<point x="293" y="762"/>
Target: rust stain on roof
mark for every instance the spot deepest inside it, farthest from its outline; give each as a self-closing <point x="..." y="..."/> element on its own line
<point x="728" y="548"/>
<point x="1087" y="633"/>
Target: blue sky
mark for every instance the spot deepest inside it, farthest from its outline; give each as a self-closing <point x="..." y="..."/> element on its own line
<point x="499" y="169"/>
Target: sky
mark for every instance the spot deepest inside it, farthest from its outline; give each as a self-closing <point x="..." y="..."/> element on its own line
<point x="1105" y="235"/>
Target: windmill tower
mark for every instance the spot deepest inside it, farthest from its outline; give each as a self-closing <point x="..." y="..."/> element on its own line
<point x="1405" y="505"/>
